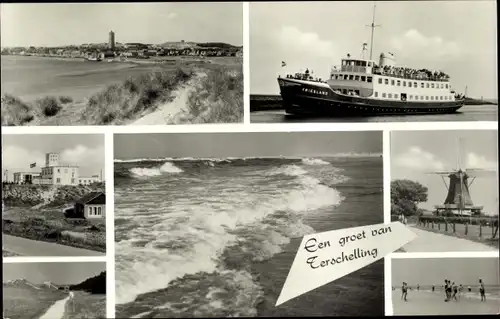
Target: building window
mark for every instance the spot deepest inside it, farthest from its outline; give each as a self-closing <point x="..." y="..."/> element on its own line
<point x="376" y="94"/>
<point x="441" y="98"/>
<point x="432" y="98"/>
<point x="58" y="181"/>
<point x="427" y="98"/>
<point x="422" y="85"/>
<point x="90" y="211"/>
<point x="383" y="94"/>
<point x="432" y="85"/>
<point x="414" y="84"/>
<point x="369" y="79"/>
<point x="356" y="78"/>
<point x="446" y="85"/>
<point x="363" y="78"/>
<point x="95" y="210"/>
<point x="99" y="211"/>
<point x="427" y="85"/>
<point x="395" y="96"/>
<point x="404" y="83"/>
<point x="72" y="181"/>
<point x="390" y="95"/>
<point x="442" y="85"/>
<point x="409" y="84"/>
<point x="399" y="83"/>
<point x="392" y="82"/>
<point x="386" y="81"/>
<point x="58" y="170"/>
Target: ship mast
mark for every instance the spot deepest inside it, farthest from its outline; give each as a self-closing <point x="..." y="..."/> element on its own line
<point x="373" y="26"/>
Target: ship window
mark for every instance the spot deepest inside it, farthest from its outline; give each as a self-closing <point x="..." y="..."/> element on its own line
<point x="386" y="81"/>
<point x="422" y="85"/>
<point x="383" y="94"/>
<point x="390" y="95"/>
<point x="427" y="97"/>
<point x="351" y="77"/>
<point x="399" y="83"/>
<point x="427" y="85"/>
<point x="411" y="96"/>
<point x="432" y="98"/>
<point x="369" y="79"/>
<point x="363" y="78"/>
<point x="441" y="98"/>
<point x="404" y="83"/>
<point x="356" y="78"/>
<point x="344" y="91"/>
<point x="376" y="94"/>
<point x="395" y="96"/>
<point x="363" y="63"/>
<point x="369" y="64"/>
<point x="432" y="85"/>
<point x="346" y="76"/>
<point x="409" y="84"/>
<point x="446" y="85"/>
<point x="414" y="84"/>
<point x="380" y="81"/>
<point x="437" y="98"/>
<point x="357" y="92"/>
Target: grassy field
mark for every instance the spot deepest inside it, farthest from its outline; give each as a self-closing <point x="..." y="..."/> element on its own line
<point x="86" y="306"/>
<point x="50" y="225"/>
<point x="218" y="97"/>
<point x="24" y="302"/>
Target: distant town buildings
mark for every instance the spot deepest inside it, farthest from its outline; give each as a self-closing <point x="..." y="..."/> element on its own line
<point x="54" y="173"/>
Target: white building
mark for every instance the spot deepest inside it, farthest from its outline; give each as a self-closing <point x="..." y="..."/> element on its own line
<point x="56" y="174"/>
<point x="25" y="177"/>
<point x="87" y="180"/>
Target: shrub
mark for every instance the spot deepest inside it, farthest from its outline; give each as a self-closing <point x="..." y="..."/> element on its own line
<point x="65" y="99"/>
<point x="49" y="105"/>
<point x="15" y="112"/>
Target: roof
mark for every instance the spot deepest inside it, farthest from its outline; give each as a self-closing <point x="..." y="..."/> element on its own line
<point x="93" y="198"/>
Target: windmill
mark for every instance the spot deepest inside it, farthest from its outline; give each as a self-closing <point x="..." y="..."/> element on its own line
<point x="458" y="200"/>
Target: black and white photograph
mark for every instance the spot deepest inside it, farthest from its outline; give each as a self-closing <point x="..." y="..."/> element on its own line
<point x="208" y="224"/>
<point x="49" y="290"/>
<point x="121" y="63"/>
<point x="444" y="186"/>
<point x="53" y="195"/>
<point x="361" y="61"/>
<point x="445" y="286"/>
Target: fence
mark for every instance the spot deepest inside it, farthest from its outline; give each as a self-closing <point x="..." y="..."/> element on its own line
<point x="478" y="227"/>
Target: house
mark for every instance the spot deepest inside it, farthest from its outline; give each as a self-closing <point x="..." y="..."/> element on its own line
<point x="91" y="206"/>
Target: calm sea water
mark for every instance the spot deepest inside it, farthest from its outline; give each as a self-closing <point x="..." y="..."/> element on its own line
<point x="34" y="77"/>
<point x="466" y="113"/>
<point x="217" y="237"/>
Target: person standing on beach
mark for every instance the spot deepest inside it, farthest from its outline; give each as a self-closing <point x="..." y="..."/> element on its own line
<point x="404" y="291"/>
<point x="433" y="288"/>
<point x="418" y="287"/>
<point x="481" y="290"/>
<point x="455" y="291"/>
<point x="446" y="284"/>
<point x="460" y="291"/>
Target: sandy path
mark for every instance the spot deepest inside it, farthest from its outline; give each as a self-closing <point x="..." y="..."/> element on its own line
<point x="56" y="311"/>
<point x="434" y="242"/>
<point x="27" y="247"/>
<point x="168" y="112"/>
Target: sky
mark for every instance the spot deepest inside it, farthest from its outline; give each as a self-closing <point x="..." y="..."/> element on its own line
<point x="414" y="153"/>
<point x="85" y="150"/>
<point x="433" y="271"/>
<point x="257" y="144"/>
<point x="58" y="24"/>
<point x="457" y="37"/>
<point x="61" y="273"/>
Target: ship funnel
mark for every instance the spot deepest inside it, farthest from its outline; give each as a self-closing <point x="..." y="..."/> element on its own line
<point x="387" y="59"/>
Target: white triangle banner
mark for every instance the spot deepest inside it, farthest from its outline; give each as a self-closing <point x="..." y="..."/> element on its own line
<point x="325" y="257"/>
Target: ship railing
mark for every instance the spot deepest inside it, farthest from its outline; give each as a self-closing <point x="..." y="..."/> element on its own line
<point x="412" y="76"/>
<point x="353" y="68"/>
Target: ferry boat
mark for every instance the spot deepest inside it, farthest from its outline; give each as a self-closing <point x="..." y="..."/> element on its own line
<point x="368" y="87"/>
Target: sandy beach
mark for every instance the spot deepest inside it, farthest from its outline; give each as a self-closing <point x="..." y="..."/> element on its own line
<point x="432" y="303"/>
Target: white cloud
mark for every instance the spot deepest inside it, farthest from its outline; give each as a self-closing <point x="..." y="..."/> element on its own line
<point x="418" y="159"/>
<point x="479" y="161"/>
<point x="296" y="40"/>
<point x="19" y="159"/>
<point x="416" y="44"/>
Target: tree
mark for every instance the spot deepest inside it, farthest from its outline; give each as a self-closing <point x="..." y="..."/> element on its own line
<point x="405" y="197"/>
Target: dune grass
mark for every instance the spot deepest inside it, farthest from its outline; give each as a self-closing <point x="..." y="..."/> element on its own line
<point x="120" y="103"/>
<point x="217" y="98"/>
<point x="15" y="112"/>
<point x="21" y="303"/>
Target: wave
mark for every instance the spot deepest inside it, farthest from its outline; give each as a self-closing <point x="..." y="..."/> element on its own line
<point x="314" y="161"/>
<point x="155" y="171"/>
<point x="166" y="248"/>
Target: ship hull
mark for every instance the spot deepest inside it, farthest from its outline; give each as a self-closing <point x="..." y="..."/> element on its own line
<point x="298" y="102"/>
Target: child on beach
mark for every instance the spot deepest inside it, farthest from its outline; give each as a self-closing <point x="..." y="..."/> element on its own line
<point x="481" y="290"/>
<point x="404" y="290"/>
<point x="455" y="291"/>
